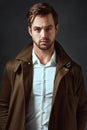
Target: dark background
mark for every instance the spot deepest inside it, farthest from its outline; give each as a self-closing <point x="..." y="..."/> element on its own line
<point x="72" y="29"/>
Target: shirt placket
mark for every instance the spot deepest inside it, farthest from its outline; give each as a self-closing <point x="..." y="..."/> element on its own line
<point x="42" y="97"/>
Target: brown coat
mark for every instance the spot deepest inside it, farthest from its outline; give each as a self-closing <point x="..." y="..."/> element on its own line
<point x="69" y="103"/>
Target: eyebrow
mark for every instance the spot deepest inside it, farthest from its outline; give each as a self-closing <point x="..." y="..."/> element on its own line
<point x="48" y="26"/>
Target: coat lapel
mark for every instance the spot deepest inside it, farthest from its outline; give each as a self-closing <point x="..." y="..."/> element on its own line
<point x="26" y="62"/>
<point x="27" y="80"/>
<point x="63" y="64"/>
<point x="60" y="73"/>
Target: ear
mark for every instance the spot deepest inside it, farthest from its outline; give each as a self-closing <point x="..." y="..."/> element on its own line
<point x="56" y="27"/>
<point x="29" y="31"/>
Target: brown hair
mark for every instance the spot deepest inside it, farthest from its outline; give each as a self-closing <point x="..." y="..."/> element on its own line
<point x="41" y="9"/>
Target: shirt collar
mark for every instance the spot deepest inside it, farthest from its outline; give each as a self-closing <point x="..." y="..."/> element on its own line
<point x="35" y="59"/>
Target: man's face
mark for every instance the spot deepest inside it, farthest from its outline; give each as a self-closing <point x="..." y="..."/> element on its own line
<point x="43" y="32"/>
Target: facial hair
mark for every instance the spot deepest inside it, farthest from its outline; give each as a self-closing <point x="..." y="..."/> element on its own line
<point x="44" y="44"/>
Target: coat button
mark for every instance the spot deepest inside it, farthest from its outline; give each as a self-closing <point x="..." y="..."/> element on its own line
<point x="66" y="69"/>
<point x="28" y="63"/>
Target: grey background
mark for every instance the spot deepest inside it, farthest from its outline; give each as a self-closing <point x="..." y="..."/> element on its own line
<point x="72" y="29"/>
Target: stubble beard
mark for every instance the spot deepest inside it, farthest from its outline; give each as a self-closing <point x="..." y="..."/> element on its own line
<point x="44" y="46"/>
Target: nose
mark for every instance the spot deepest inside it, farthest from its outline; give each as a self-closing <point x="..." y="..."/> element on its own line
<point x="43" y="33"/>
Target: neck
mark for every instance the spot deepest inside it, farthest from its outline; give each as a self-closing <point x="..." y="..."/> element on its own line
<point x="44" y="55"/>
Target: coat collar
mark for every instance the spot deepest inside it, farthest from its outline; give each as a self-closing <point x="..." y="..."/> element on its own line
<point x="26" y="54"/>
<point x="61" y="56"/>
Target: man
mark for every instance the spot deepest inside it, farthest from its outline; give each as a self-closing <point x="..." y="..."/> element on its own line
<point x="42" y="88"/>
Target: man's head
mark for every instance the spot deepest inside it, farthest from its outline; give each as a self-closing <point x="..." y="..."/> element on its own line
<point x="42" y="26"/>
<point x="41" y="9"/>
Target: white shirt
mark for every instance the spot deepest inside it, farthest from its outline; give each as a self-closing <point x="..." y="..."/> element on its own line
<point x="41" y="96"/>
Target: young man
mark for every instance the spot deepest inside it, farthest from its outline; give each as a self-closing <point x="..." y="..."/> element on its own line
<point x="42" y="88"/>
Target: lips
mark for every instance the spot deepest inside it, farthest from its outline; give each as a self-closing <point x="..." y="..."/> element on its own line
<point x="44" y="41"/>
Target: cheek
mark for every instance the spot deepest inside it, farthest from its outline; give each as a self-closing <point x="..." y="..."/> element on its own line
<point x="52" y="32"/>
<point x="35" y="37"/>
<point x="52" y="35"/>
<point x="35" y="34"/>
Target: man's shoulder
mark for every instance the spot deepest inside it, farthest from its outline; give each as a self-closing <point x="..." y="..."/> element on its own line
<point x="23" y="55"/>
<point x="76" y="68"/>
<point x="65" y="57"/>
<point x="12" y="65"/>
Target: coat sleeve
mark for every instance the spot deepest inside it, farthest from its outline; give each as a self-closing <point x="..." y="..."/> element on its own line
<point x="5" y="89"/>
<point x="82" y="104"/>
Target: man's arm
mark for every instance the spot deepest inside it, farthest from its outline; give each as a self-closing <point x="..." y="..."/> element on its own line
<point x="82" y="104"/>
<point x="5" y="89"/>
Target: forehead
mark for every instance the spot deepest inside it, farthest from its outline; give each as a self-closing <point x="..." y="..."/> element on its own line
<point x="43" y="20"/>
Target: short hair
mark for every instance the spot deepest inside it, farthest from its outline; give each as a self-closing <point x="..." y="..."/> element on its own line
<point x="41" y="9"/>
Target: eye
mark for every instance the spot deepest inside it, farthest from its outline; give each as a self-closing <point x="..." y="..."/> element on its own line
<point x="37" y="29"/>
<point x="48" y="28"/>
